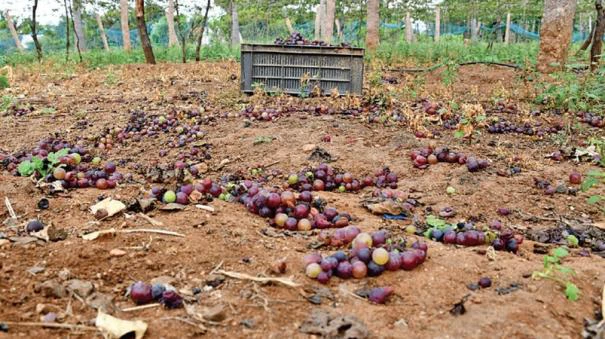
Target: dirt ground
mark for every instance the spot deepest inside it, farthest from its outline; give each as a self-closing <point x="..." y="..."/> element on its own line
<point x="233" y="237"/>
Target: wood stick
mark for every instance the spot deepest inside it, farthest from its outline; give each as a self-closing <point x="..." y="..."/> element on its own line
<point x="150" y="219"/>
<point x="138" y="308"/>
<point x="51" y="325"/>
<point x="9" y="207"/>
<point x="244" y="276"/>
<point x="149" y="230"/>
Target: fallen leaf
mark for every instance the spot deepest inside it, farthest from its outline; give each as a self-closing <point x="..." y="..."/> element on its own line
<point x="94" y="235"/>
<point x="117" y="328"/>
<point x="111" y="206"/>
<point x="172" y="207"/>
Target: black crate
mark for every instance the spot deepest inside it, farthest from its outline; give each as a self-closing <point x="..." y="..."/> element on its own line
<point x="281" y="68"/>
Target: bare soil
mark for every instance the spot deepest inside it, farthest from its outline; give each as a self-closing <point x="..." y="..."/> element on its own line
<point x="233" y="236"/>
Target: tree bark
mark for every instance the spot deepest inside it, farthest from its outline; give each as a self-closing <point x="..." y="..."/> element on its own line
<point x="198" y="47"/>
<point x="555" y="34"/>
<point x="507" y="31"/>
<point x="373" y="22"/>
<point x="172" y="38"/>
<point x="67" y="35"/>
<point x="102" y="31"/>
<point x="235" y="35"/>
<point x="289" y="25"/>
<point x="11" y="28"/>
<point x="329" y="22"/>
<point x="181" y="34"/>
<point x="317" y="32"/>
<point x="145" y="42"/>
<point x="409" y="33"/>
<point x="73" y="25"/>
<point x="338" y="29"/>
<point x="34" y="32"/>
<point x="474" y="29"/>
<point x="597" y="38"/>
<point x="78" y="25"/>
<point x="124" y="25"/>
<point x="322" y="19"/>
<point x="588" y="41"/>
<point x="437" y="23"/>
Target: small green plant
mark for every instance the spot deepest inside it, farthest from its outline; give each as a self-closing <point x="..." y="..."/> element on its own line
<point x="48" y="110"/>
<point x="37" y="165"/>
<point x="4" y="82"/>
<point x="474" y="116"/>
<point x="450" y="73"/>
<point x="5" y="102"/>
<point x="593" y="178"/>
<point x="555" y="271"/>
<point x="111" y="78"/>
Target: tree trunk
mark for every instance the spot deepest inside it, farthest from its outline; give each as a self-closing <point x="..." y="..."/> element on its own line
<point x="588" y="41"/>
<point x="507" y="31"/>
<point x="289" y="25"/>
<point x="555" y="34"/>
<point x="329" y="22"/>
<point x="78" y="25"/>
<point x="124" y="25"/>
<point x="73" y="25"/>
<point x="11" y="28"/>
<point x="34" y="32"/>
<point x="318" y="22"/>
<point x="172" y="38"/>
<point x="145" y="43"/>
<point x="102" y="32"/>
<point x="409" y="33"/>
<point x="474" y="29"/>
<point x="437" y="23"/>
<point x="373" y="22"/>
<point x="67" y="35"/>
<point x="198" y="47"/>
<point x="322" y="19"/>
<point x="338" y="29"/>
<point x="181" y="34"/>
<point x="235" y="35"/>
<point x="597" y="38"/>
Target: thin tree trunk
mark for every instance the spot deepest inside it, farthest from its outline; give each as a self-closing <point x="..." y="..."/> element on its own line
<point x="198" y="47"/>
<point x="289" y="25"/>
<point x="507" y="31"/>
<point x="78" y="25"/>
<point x="124" y="25"/>
<point x="73" y="25"/>
<point x="373" y="22"/>
<point x="474" y="29"/>
<point x="11" y="27"/>
<point x="102" y="31"/>
<point x="182" y="35"/>
<point x="145" y="42"/>
<point x="437" y="23"/>
<point x="555" y="34"/>
<point x="235" y="35"/>
<point x="597" y="39"/>
<point x="409" y="33"/>
<point x="317" y="32"/>
<point x="329" y="22"/>
<point x="172" y="38"/>
<point x="67" y="35"/>
<point x="34" y="32"/>
<point x="588" y="41"/>
<point x="338" y="29"/>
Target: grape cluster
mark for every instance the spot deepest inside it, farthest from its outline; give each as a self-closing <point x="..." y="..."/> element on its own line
<point x="427" y="156"/>
<point x="504" y="126"/>
<point x="466" y="234"/>
<point x="326" y="178"/>
<point x="205" y="189"/>
<point x="142" y="293"/>
<point x="19" y="111"/>
<point x="591" y="119"/>
<point x="550" y="189"/>
<point x="371" y="255"/>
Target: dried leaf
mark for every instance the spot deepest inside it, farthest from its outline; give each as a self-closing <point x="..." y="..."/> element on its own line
<point x="111" y="206"/>
<point x="117" y="328"/>
<point x="94" y="235"/>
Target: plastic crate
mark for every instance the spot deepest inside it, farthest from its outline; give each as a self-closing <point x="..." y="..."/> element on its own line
<point x="298" y="69"/>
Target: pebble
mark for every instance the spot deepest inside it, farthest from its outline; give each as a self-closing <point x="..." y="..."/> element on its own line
<point x="52" y="288"/>
<point x="116" y="252"/>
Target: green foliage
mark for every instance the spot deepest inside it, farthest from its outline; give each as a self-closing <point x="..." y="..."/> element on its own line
<point x="555" y="271"/>
<point x="575" y="93"/>
<point x="593" y="178"/>
<point x="4" y="82"/>
<point x="5" y="102"/>
<point x="37" y="165"/>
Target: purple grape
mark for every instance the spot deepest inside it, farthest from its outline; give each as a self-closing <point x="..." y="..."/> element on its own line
<point x="182" y="198"/>
<point x="485" y="282"/>
<point x="273" y="200"/>
<point x="170" y="299"/>
<point x="157" y="290"/>
<point x="394" y="262"/>
<point x="364" y="254"/>
<point x="323" y="277"/>
<point x="110" y="167"/>
<point x="379" y="238"/>
<point x="374" y="269"/>
<point x="34" y="226"/>
<point x="408" y="260"/>
<point x="328" y="263"/>
<point x="340" y="256"/>
<point x="498" y="244"/>
<point x="344" y="270"/>
<point x="187" y="189"/>
<point x="449" y="237"/>
<point x="512" y="246"/>
<point x="140" y="293"/>
<point x="379" y="295"/>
